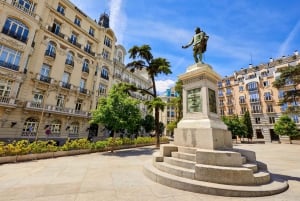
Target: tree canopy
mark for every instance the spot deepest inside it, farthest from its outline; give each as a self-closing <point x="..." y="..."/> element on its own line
<point x="144" y="60"/>
<point x="236" y="126"/>
<point x="118" y="111"/>
<point x="286" y="126"/>
<point x="289" y="81"/>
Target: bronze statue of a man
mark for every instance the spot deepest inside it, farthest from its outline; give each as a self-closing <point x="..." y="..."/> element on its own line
<point x="199" y="42"/>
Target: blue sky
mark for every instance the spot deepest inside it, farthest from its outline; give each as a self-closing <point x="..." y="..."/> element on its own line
<point x="241" y="31"/>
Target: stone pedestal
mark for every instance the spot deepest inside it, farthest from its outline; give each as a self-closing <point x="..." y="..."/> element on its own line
<point x="201" y="126"/>
<point x="202" y="158"/>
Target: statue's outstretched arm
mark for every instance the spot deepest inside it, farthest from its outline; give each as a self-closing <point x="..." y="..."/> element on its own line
<point x="189" y="44"/>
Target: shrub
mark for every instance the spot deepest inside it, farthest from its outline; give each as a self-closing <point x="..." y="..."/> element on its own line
<point x="100" y="145"/>
<point x="128" y="141"/>
<point x="112" y="142"/>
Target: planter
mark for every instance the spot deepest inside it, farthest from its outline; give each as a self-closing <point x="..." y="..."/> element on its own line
<point x="60" y="154"/>
<point x="27" y="157"/>
<point x="8" y="159"/>
<point x="85" y="151"/>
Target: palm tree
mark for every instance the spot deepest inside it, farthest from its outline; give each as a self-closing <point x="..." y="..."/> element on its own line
<point x="143" y="59"/>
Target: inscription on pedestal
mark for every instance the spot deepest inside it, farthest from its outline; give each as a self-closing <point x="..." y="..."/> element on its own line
<point x="212" y="101"/>
<point x="194" y="101"/>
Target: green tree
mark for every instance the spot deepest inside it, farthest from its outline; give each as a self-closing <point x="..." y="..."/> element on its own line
<point x="143" y="60"/>
<point x="118" y="111"/>
<point x="286" y="126"/>
<point x="236" y="126"/>
<point x="248" y="124"/>
<point x="288" y="81"/>
<point x="171" y="126"/>
<point x="148" y="123"/>
<point x="179" y="107"/>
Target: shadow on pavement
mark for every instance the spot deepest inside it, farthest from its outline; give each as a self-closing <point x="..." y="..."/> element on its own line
<point x="132" y="152"/>
<point x="285" y="177"/>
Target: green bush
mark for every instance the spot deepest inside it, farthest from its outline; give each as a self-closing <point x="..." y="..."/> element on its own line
<point x="127" y="141"/>
<point x="100" y="145"/>
<point x="144" y="140"/>
<point x="113" y="142"/>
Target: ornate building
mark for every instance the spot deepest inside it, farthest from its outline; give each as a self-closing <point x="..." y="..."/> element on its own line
<point x="55" y="62"/>
<point x="251" y="89"/>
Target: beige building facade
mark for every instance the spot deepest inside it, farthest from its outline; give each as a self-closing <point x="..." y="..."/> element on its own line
<point x="251" y="89"/>
<point x="55" y="63"/>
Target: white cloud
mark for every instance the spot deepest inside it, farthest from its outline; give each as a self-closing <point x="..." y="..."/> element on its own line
<point x="285" y="45"/>
<point x="163" y="85"/>
<point x="117" y="19"/>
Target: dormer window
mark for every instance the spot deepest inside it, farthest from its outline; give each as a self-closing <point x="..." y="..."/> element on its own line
<point x="61" y="9"/>
<point x="77" y="21"/>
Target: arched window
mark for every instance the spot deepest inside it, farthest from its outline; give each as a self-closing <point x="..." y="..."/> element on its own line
<point x="104" y="73"/>
<point x="120" y="57"/>
<point x="70" y="59"/>
<point x="30" y="127"/>
<point x="51" y="50"/>
<point x="16" y="29"/>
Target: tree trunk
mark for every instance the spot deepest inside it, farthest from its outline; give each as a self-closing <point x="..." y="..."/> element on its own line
<point x="156" y="114"/>
<point x="290" y="138"/>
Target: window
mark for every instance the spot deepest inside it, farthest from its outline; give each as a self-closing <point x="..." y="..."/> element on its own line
<point x="9" y="58"/>
<point x="74" y="128"/>
<point x="120" y="57"/>
<point x="85" y="66"/>
<point x="257" y="120"/>
<point x="60" y="101"/>
<point x="82" y="83"/>
<point x="61" y="9"/>
<point x="30" y="126"/>
<point x="104" y="73"/>
<point x="105" y="54"/>
<point x="264" y="73"/>
<point x="227" y="82"/>
<point x="265" y="83"/>
<point x="221" y="103"/>
<point x="66" y="77"/>
<point x="88" y="47"/>
<point x="222" y="112"/>
<point x="37" y="100"/>
<point x="5" y="87"/>
<point x="70" y="59"/>
<point x="272" y="120"/>
<point x="107" y="41"/>
<point x="241" y="79"/>
<point x="228" y="91"/>
<point x="229" y="101"/>
<point x="77" y="21"/>
<point x="220" y="92"/>
<point x="252" y="86"/>
<point x="296" y="119"/>
<point x="256" y="108"/>
<point x="254" y="97"/>
<point x="280" y="94"/>
<point x="25" y="5"/>
<point x="230" y="111"/>
<point x="92" y="31"/>
<point x="44" y="73"/>
<point x="284" y="107"/>
<point x="219" y="84"/>
<point x="270" y="108"/>
<point x="102" y="89"/>
<point x="268" y="96"/>
<point x="241" y="88"/>
<point x="55" y="127"/>
<point x="16" y="29"/>
<point x="51" y="50"/>
<point x="78" y="105"/>
<point x="242" y="99"/>
<point x="243" y="110"/>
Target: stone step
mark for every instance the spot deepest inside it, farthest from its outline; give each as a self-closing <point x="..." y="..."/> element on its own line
<point x="175" y="170"/>
<point x="244" y="159"/>
<point x="274" y="187"/>
<point x="184" y="156"/>
<point x="262" y="177"/>
<point x="187" y="150"/>
<point x="251" y="166"/>
<point x="180" y="163"/>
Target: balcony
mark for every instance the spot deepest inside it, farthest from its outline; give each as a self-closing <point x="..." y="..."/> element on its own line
<point x="16" y="36"/>
<point x="242" y="102"/>
<point x="256" y="111"/>
<point x="85" y="69"/>
<point x="229" y="94"/>
<point x="22" y="8"/>
<point x="104" y="76"/>
<point x="88" y="50"/>
<point x="69" y="62"/>
<point x="50" y="53"/>
<point x="51" y="29"/>
<point x="74" y="42"/>
<point x="9" y="66"/>
<point x="83" y="90"/>
<point x="65" y="85"/>
<point x="7" y="101"/>
<point x="31" y="105"/>
<point x="268" y="99"/>
<point x="45" y="79"/>
<point x="256" y="100"/>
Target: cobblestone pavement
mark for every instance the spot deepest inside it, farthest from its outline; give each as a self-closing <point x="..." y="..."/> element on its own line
<point x="118" y="177"/>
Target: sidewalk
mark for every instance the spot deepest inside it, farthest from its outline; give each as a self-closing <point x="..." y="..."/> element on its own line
<point x="118" y="177"/>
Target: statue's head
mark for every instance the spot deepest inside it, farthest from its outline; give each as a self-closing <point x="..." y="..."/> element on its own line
<point x="197" y="30"/>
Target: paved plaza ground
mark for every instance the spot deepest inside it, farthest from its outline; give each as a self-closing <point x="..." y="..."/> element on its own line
<point x="118" y="177"/>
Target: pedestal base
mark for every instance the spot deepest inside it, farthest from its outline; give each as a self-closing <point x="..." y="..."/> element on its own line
<point x="203" y="138"/>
